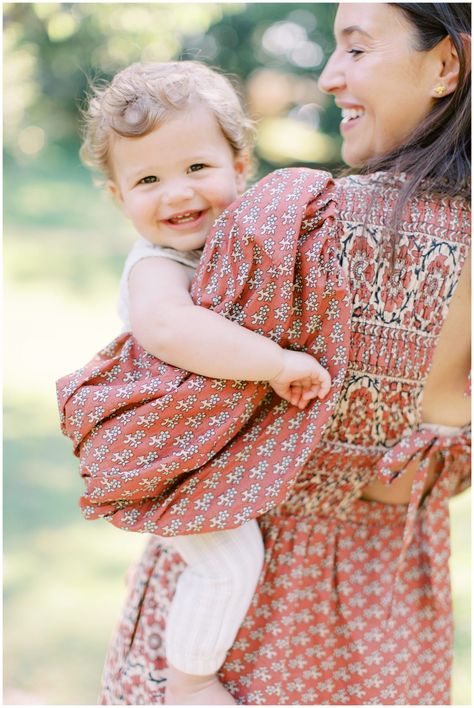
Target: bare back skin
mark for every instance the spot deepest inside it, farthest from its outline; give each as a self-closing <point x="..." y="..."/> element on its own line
<point x="444" y="398"/>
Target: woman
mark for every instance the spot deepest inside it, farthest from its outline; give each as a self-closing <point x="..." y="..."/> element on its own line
<point x="354" y="603"/>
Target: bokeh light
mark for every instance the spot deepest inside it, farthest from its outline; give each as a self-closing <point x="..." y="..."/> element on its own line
<point x="61" y="25"/>
<point x="31" y="140"/>
<point x="63" y="251"/>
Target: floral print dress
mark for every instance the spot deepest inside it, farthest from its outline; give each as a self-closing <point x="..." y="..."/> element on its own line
<point x="353" y="605"/>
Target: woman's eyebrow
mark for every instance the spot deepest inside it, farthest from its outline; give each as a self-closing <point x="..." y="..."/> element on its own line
<point x="352" y="29"/>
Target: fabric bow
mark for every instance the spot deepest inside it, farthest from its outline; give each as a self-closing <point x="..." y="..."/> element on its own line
<point x="421" y="446"/>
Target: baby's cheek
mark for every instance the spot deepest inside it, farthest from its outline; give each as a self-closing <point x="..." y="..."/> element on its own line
<point x="230" y="195"/>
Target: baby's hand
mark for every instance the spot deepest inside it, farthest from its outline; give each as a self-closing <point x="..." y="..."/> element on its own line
<point x="301" y="379"/>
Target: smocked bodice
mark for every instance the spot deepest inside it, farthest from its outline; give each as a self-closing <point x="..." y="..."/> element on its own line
<point x="397" y="314"/>
<point x="397" y="311"/>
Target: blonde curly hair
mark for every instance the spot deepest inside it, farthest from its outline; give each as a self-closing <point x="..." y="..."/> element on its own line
<point x="141" y="96"/>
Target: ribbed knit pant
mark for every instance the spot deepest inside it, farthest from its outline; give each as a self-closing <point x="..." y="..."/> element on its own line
<point x="212" y="596"/>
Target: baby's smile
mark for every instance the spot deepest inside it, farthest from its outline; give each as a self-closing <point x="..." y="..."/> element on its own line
<point x="185" y="218"/>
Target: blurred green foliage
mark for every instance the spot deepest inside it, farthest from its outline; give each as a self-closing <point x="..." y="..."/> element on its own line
<point x="273" y="50"/>
<point x="64" y="247"/>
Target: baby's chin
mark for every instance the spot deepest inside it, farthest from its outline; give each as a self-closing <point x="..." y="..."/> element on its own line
<point x="186" y="243"/>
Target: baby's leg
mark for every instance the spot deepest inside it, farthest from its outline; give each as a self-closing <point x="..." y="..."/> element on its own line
<point x="212" y="597"/>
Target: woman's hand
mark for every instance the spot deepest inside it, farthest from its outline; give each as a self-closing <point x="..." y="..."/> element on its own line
<point x="301" y="379"/>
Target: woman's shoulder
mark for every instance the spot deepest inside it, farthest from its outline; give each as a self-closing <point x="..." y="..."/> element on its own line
<point x="375" y="197"/>
<point x="394" y="183"/>
<point x="314" y="183"/>
<point x="355" y="198"/>
<point x="288" y="179"/>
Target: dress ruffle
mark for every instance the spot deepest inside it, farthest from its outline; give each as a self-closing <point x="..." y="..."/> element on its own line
<point x="166" y="451"/>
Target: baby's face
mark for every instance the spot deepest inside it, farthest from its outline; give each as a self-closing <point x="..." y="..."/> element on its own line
<point x="174" y="182"/>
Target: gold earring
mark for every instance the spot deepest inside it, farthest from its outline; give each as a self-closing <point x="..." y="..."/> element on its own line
<point x="439" y="90"/>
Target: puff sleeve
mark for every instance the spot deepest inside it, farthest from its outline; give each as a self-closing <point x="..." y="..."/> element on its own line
<point x="166" y="451"/>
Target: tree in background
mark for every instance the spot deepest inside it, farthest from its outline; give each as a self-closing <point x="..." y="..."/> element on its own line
<point x="275" y="51"/>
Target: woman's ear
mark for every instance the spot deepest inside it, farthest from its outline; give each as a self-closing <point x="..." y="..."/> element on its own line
<point x="448" y="74"/>
<point x="467" y="42"/>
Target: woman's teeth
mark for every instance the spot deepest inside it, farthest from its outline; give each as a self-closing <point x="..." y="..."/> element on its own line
<point x="351" y="113"/>
<point x="183" y="218"/>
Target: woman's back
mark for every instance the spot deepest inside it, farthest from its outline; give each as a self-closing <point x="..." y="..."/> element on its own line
<point x="410" y="344"/>
<point x="410" y="318"/>
<point x="444" y="398"/>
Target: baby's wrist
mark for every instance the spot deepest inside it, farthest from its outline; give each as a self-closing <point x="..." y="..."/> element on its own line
<point x="279" y="363"/>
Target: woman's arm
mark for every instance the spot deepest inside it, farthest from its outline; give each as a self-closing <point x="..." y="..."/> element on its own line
<point x="167" y="323"/>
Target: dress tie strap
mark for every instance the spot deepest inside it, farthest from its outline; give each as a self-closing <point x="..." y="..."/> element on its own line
<point x="420" y="446"/>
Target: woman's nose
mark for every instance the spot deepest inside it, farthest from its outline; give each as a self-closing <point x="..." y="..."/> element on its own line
<point x="332" y="77"/>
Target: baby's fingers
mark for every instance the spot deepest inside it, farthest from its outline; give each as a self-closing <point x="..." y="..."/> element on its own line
<point x="317" y="387"/>
<point x="287" y="392"/>
<point x="296" y="396"/>
<point x="303" y="392"/>
<point x="324" y="384"/>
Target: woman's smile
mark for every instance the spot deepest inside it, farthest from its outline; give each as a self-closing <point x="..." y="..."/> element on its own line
<point x="351" y="117"/>
<point x="379" y="80"/>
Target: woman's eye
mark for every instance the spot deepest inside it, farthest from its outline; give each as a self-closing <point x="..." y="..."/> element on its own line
<point x="196" y="167"/>
<point x="148" y="180"/>
<point x="355" y="52"/>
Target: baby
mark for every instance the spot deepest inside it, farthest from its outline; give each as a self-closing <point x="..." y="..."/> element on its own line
<point x="174" y="144"/>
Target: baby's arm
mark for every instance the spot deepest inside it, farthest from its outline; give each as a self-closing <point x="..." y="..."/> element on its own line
<point x="167" y="323"/>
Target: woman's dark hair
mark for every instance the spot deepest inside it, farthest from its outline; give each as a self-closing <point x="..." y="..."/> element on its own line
<point x="437" y="155"/>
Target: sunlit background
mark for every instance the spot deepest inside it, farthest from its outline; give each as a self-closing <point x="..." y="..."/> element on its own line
<point x="64" y="247"/>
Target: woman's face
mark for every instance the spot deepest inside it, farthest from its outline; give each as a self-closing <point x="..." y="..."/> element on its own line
<point x="383" y="85"/>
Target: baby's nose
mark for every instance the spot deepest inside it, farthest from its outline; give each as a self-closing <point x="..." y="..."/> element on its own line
<point x="177" y="192"/>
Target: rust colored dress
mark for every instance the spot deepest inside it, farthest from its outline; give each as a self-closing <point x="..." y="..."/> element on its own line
<point x="353" y="605"/>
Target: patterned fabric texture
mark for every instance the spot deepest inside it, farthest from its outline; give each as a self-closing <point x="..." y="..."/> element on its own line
<point x="141" y="427"/>
<point x="353" y="605"/>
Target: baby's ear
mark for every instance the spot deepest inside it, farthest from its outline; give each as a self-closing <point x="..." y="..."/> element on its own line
<point x="114" y="191"/>
<point x="241" y="167"/>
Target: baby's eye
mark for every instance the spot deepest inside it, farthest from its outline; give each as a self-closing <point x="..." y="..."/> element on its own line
<point x="196" y="167"/>
<point x="149" y="179"/>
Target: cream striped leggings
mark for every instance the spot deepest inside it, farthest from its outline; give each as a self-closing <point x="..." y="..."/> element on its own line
<point x="213" y="595"/>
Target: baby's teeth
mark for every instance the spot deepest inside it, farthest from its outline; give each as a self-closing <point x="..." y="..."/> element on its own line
<point x="184" y="217"/>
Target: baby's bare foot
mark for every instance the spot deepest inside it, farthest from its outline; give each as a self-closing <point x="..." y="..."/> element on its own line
<point x="186" y="689"/>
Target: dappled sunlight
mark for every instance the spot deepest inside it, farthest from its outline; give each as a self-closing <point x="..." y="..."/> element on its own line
<point x="56" y="201"/>
<point x="64" y="593"/>
<point x="461" y="573"/>
<point x="65" y="243"/>
<point x="42" y="487"/>
<point x="63" y="590"/>
<point x="99" y="549"/>
<point x="290" y="39"/>
<point x="60" y="308"/>
<point x="460" y="510"/>
<point x="31" y="416"/>
<point x="43" y="348"/>
<point x="285" y="140"/>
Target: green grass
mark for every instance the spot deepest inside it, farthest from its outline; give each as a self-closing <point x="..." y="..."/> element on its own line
<point x="63" y="577"/>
